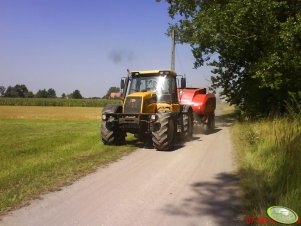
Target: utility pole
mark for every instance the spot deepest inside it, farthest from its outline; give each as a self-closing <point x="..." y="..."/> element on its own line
<point x="173" y="66"/>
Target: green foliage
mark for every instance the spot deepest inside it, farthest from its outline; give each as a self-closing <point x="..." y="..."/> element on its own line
<point x="294" y="106"/>
<point x="2" y="91"/>
<point x="29" y="95"/>
<point x="268" y="156"/>
<point x="22" y="91"/>
<point x="56" y="102"/>
<point x="16" y="91"/>
<point x="50" y="93"/>
<point x="42" y="93"/>
<point x="10" y="92"/>
<point x="76" y="94"/>
<point x="254" y="47"/>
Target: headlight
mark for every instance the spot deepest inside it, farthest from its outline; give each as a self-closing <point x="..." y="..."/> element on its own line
<point x="104" y="117"/>
<point x="153" y="118"/>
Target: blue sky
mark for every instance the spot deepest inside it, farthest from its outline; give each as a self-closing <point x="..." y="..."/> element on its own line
<point x="86" y="44"/>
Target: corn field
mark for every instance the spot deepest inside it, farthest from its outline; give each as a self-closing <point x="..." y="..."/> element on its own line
<point x="56" y="102"/>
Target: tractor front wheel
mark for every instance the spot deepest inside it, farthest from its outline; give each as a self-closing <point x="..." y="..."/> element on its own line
<point x="163" y="136"/>
<point x="111" y="136"/>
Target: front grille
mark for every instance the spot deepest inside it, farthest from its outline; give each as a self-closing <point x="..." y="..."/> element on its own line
<point x="132" y="105"/>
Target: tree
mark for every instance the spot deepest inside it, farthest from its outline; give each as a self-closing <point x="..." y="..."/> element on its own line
<point x="16" y="91"/>
<point x="29" y="94"/>
<point x="21" y="90"/>
<point x="51" y="93"/>
<point x="254" y="47"/>
<point x="2" y="91"/>
<point x="76" y="94"/>
<point x="42" y="93"/>
<point x="63" y="95"/>
<point x="11" y="92"/>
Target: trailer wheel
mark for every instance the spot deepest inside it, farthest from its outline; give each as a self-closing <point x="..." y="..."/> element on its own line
<point x="187" y="125"/>
<point x="111" y="136"/>
<point x="163" y="136"/>
<point x="210" y="124"/>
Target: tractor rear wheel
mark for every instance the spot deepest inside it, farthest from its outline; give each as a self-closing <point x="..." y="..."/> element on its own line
<point x="111" y="136"/>
<point x="187" y="126"/>
<point x="163" y="137"/>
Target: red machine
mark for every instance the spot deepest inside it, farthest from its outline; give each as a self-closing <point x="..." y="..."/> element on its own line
<point x="202" y="103"/>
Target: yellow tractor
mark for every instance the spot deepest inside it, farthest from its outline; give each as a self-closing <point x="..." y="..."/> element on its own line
<point x="150" y="109"/>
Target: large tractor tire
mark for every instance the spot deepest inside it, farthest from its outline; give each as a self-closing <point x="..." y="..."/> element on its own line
<point x="210" y="124"/>
<point x="187" y="125"/>
<point x="163" y="136"/>
<point x="111" y="136"/>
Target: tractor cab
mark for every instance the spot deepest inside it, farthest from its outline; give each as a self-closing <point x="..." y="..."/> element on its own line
<point x="150" y="88"/>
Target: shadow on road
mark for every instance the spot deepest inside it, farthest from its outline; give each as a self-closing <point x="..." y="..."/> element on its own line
<point x="200" y="130"/>
<point x="218" y="200"/>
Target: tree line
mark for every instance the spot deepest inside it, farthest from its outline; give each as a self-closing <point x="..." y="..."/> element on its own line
<point x="254" y="47"/>
<point x="21" y="91"/>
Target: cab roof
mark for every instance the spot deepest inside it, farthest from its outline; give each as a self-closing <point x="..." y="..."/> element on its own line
<point x="171" y="72"/>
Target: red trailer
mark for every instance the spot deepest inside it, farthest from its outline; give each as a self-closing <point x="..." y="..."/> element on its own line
<point x="203" y="105"/>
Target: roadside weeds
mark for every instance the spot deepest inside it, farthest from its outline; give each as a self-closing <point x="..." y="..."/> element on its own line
<point x="268" y="154"/>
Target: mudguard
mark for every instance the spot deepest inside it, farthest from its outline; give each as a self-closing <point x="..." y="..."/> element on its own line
<point x="112" y="108"/>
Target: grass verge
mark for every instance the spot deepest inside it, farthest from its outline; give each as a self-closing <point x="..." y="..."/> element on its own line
<point x="40" y="155"/>
<point x="269" y="158"/>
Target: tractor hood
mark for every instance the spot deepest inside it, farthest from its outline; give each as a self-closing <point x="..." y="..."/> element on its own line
<point x="140" y="102"/>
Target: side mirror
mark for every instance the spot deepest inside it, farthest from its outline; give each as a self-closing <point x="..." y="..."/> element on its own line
<point x="183" y="83"/>
<point x="122" y="84"/>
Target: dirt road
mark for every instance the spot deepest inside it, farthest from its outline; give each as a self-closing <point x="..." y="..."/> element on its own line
<point x="192" y="185"/>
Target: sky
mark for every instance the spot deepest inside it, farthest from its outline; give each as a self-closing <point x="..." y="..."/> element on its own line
<point x="87" y="44"/>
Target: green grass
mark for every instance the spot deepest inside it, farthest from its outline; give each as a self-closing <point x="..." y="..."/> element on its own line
<point x="56" y="102"/>
<point x="40" y="155"/>
<point x="269" y="157"/>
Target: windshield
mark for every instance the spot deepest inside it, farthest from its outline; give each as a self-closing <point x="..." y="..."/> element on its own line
<point x="158" y="84"/>
<point x="162" y="85"/>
